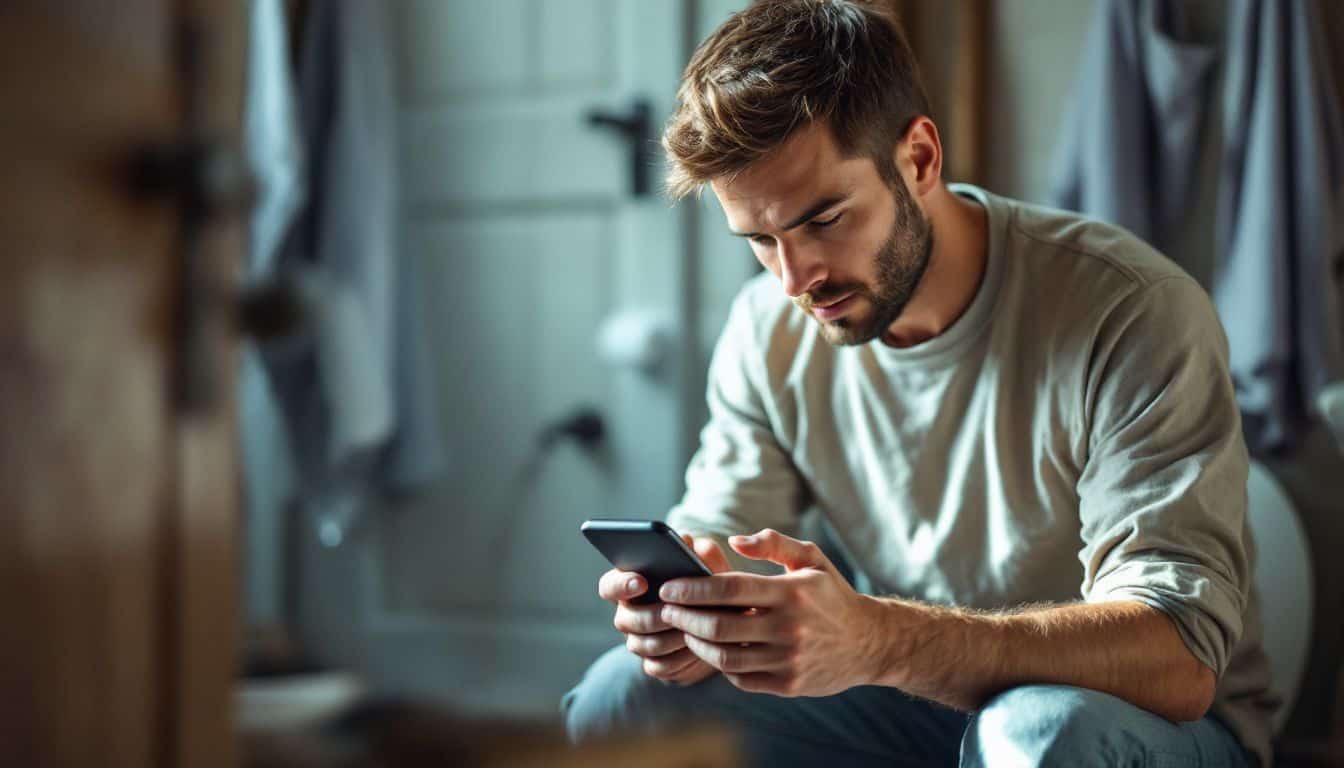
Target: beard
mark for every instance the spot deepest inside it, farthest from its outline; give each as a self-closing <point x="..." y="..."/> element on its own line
<point x="900" y="263"/>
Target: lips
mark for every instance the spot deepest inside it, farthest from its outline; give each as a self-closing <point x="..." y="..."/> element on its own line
<point x="834" y="309"/>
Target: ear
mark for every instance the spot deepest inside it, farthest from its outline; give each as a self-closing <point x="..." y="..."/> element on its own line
<point x="919" y="156"/>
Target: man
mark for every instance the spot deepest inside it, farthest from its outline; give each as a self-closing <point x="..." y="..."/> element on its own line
<point x="1019" y="424"/>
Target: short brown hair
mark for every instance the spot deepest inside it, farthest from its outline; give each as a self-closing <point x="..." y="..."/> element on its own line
<point x="779" y="65"/>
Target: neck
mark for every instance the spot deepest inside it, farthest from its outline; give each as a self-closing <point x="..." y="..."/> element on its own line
<point x="955" y="269"/>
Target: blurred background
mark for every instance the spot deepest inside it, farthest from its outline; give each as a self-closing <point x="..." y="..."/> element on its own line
<point x="327" y="323"/>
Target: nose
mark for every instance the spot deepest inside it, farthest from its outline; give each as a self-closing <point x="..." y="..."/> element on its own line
<point x="801" y="270"/>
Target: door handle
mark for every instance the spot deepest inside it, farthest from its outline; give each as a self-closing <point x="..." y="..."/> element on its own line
<point x="206" y="178"/>
<point x="635" y="125"/>
<point x="585" y="426"/>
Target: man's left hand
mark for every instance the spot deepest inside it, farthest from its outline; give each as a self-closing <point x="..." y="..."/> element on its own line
<point x="805" y="632"/>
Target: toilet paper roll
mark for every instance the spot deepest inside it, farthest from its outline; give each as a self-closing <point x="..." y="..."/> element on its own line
<point x="1330" y="403"/>
<point x="635" y="338"/>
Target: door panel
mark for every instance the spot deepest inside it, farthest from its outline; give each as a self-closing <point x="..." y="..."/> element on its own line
<point x="521" y="217"/>
<point x="577" y="44"/>
<point x="499" y="286"/>
<point x="540" y="150"/>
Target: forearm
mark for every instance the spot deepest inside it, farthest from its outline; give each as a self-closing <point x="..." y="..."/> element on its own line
<point x="963" y="658"/>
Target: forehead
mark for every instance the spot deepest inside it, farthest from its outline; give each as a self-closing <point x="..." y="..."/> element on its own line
<point x="806" y="168"/>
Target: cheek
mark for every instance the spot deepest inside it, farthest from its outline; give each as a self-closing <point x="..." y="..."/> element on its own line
<point x="849" y="261"/>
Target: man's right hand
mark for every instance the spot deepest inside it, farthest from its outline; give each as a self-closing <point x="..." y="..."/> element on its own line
<point x="662" y="647"/>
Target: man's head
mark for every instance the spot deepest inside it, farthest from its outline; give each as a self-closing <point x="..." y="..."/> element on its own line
<point x="794" y="112"/>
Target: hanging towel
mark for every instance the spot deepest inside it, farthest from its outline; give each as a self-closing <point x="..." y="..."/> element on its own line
<point x="355" y="387"/>
<point x="1129" y="153"/>
<point x="1140" y="72"/>
<point x="274" y="155"/>
<point x="1280" y="216"/>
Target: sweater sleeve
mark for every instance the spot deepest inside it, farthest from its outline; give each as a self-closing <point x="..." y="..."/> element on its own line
<point x="1163" y="490"/>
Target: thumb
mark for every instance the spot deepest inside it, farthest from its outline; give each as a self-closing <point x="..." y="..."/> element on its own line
<point x="775" y="547"/>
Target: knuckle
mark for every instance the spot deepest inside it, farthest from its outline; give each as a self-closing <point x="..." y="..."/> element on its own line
<point x="637" y="620"/>
<point x="659" y="645"/>
<point x="712" y="626"/>
<point x="732" y="662"/>
<point x="723" y="658"/>
<point x="608" y="586"/>
<point x="635" y="644"/>
<point x="731" y="589"/>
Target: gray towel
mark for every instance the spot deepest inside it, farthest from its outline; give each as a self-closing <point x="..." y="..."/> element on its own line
<point x="1129" y="155"/>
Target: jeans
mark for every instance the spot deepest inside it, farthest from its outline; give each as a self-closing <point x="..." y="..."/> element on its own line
<point x="1032" y="725"/>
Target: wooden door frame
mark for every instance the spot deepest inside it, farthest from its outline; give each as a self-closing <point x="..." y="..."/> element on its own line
<point x="119" y="532"/>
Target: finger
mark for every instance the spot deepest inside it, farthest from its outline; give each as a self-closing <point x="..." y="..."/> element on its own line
<point x="666" y="667"/>
<point x="774" y="546"/>
<point x="747" y="590"/>
<point x="620" y="585"/>
<point x="721" y="626"/>
<point x="712" y="555"/>
<point x="737" y="659"/>
<point x="692" y="673"/>
<point x="760" y="682"/>
<point x="657" y="644"/>
<point x="639" y="619"/>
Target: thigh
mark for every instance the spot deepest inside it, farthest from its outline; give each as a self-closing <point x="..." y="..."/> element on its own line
<point x="868" y="725"/>
<point x="1058" y="725"/>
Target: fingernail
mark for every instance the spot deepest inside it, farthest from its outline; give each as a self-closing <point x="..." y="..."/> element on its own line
<point x="670" y="593"/>
<point x="745" y="539"/>
<point x="632" y="585"/>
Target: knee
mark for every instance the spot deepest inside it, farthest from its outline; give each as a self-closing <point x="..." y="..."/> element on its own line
<point x="1051" y="725"/>
<point x="614" y="695"/>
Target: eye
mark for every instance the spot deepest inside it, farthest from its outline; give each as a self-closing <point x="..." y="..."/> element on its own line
<point x="765" y="240"/>
<point x="823" y="223"/>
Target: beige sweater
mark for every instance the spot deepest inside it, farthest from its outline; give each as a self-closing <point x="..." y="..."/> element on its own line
<point x="1074" y="435"/>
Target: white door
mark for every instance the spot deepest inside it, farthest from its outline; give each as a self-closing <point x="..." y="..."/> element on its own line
<point x="522" y="216"/>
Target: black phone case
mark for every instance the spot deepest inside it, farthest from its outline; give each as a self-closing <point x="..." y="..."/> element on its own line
<point x="647" y="547"/>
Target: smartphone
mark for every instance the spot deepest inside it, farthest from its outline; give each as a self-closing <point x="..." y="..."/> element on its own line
<point x="647" y="547"/>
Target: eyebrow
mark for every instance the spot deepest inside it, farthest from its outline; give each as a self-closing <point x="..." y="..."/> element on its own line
<point x="815" y="209"/>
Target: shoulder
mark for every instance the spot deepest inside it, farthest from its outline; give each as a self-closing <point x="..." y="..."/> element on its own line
<point x="1102" y="280"/>
<point x="1074" y="247"/>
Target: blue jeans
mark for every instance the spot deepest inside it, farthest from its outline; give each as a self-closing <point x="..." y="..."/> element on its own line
<point x="1033" y="725"/>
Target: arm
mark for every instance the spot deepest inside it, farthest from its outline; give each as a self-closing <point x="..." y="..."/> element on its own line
<point x="963" y="659"/>
<point x="812" y="635"/>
